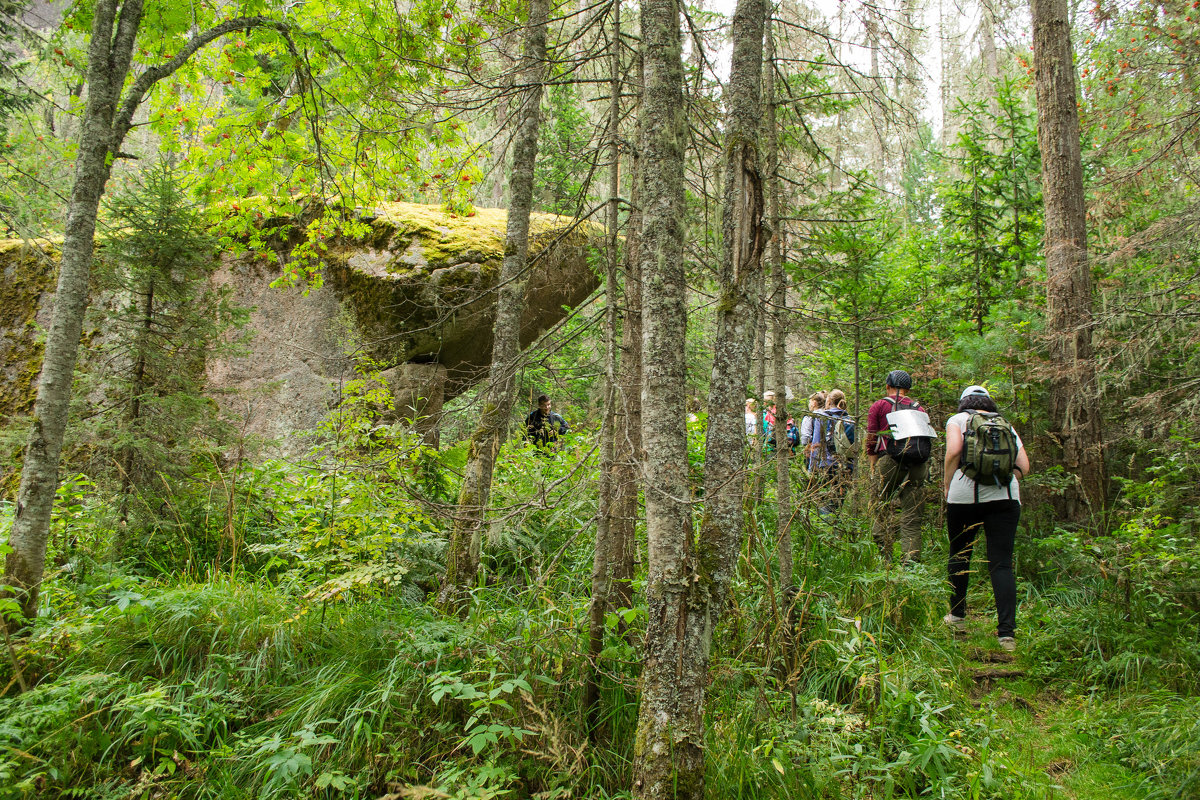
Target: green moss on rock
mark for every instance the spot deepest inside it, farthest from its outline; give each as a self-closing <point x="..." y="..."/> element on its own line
<point x="27" y="272"/>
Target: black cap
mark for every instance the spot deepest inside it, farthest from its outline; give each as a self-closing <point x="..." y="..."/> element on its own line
<point x="899" y="379"/>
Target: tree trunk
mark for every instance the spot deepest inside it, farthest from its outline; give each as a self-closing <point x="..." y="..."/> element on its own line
<point x="1074" y="393"/>
<point x="760" y="383"/>
<point x="462" y="552"/>
<point x="603" y="565"/>
<point x="669" y="753"/>
<point x="878" y="126"/>
<point x="687" y="587"/>
<point x="991" y="63"/>
<point x="627" y="476"/>
<point x="783" y="487"/>
<point x="109" y="55"/>
<point x="948" y="46"/>
<point x="106" y="121"/>
<point x="738" y="281"/>
<point x="129" y="457"/>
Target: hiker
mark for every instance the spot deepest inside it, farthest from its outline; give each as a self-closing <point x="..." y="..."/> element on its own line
<point x="839" y="437"/>
<point x="751" y="418"/>
<point x="543" y="426"/>
<point x="768" y="420"/>
<point x="899" y="442"/>
<point x="811" y="429"/>
<point x="984" y="458"/>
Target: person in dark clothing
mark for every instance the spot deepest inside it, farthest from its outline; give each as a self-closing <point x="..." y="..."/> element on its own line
<point x="994" y="508"/>
<point x="543" y="426"/>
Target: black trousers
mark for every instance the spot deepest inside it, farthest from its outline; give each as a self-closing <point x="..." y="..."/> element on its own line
<point x="999" y="522"/>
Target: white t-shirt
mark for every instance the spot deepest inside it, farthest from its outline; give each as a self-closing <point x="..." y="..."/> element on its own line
<point x="962" y="488"/>
<point x="751" y="423"/>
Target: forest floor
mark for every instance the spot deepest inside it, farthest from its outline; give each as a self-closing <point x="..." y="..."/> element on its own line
<point x="258" y="683"/>
<point x="1057" y="729"/>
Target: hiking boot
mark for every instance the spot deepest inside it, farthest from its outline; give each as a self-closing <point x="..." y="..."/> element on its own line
<point x="956" y="622"/>
<point x="1007" y="643"/>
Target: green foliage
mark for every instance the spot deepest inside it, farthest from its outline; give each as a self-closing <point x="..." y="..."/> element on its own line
<point x="1132" y="595"/>
<point x="991" y="208"/>
<point x="165" y="321"/>
<point x="565" y="137"/>
<point x="850" y="281"/>
<point x="1155" y="737"/>
<point x="14" y="95"/>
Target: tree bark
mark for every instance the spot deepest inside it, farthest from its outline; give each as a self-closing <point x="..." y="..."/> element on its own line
<point x="462" y="552"/>
<point x="738" y="281"/>
<point x="106" y="121"/>
<point x="129" y="456"/>
<point x="1074" y="393"/>
<point x="627" y="474"/>
<point x="669" y="752"/>
<point x="687" y="586"/>
<point x="783" y="487"/>
<point x="603" y="565"/>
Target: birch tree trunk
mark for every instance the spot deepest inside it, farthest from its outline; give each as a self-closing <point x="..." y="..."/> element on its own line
<point x="687" y="586"/>
<point x="107" y="120"/>
<point x="462" y="552"/>
<point x="1074" y="392"/>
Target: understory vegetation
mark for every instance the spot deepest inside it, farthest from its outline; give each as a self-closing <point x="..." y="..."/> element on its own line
<point x="276" y="642"/>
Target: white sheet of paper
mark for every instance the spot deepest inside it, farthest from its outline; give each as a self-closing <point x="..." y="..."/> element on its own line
<point x="910" y="422"/>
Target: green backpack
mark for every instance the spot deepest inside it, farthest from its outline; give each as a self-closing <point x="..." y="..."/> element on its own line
<point x="989" y="453"/>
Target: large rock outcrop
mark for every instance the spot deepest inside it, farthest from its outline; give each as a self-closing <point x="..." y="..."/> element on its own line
<point x="421" y="284"/>
<point x="415" y="292"/>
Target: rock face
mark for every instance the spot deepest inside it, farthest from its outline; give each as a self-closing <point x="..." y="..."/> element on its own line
<point x="26" y="277"/>
<point x="415" y="293"/>
<point x="421" y="284"/>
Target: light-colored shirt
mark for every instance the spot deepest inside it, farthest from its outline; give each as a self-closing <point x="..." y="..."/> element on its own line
<point x="962" y="488"/>
<point x="751" y="423"/>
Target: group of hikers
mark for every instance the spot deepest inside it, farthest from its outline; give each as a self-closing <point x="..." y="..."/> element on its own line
<point x="984" y="460"/>
<point x="983" y="464"/>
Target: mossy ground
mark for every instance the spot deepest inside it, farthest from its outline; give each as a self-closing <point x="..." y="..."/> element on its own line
<point x="1048" y="730"/>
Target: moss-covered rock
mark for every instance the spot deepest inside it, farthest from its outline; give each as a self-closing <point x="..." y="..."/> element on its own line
<point x="417" y="287"/>
<point x="421" y="284"/>
<point x="27" y="273"/>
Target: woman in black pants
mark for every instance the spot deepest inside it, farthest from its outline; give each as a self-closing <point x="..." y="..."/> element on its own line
<point x="971" y="506"/>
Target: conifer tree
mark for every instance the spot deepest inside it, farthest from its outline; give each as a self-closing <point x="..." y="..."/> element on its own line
<point x="1074" y="393"/>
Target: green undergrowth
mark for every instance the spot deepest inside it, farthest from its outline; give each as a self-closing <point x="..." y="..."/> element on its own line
<point x="290" y="673"/>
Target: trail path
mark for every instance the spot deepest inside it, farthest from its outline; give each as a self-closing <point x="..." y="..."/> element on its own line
<point x="1041" y="730"/>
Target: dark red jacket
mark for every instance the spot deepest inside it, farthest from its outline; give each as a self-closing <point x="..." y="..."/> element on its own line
<point x="877" y="421"/>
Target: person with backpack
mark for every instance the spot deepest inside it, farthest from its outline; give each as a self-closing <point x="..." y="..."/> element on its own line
<point x="811" y="429"/>
<point x="751" y="419"/>
<point x="543" y="426"/>
<point x="771" y="415"/>
<point x="984" y="459"/>
<point x="899" y="443"/>
<point x="768" y="421"/>
<point x="838" y="446"/>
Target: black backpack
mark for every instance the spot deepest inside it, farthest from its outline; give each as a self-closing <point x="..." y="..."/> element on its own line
<point x="911" y="451"/>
